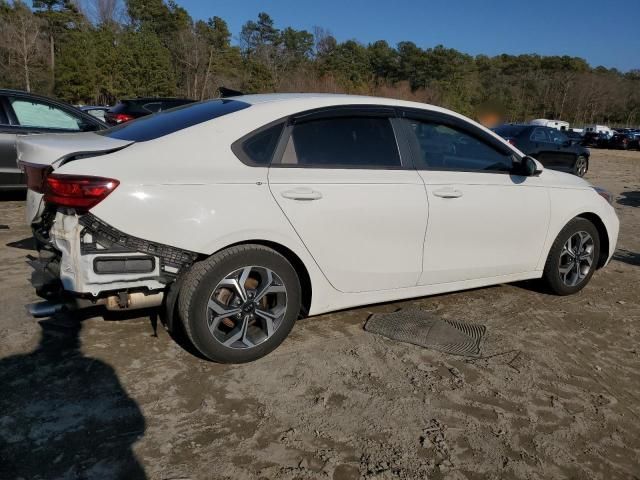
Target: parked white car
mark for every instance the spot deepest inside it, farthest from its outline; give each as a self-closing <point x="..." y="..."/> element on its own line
<point x="544" y="122"/>
<point x="244" y="214"/>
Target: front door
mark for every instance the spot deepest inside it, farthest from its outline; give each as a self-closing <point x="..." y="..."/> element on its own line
<point x="484" y="222"/>
<point x="360" y="211"/>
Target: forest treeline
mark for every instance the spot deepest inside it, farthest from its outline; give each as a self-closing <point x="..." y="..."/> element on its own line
<point x="98" y="51"/>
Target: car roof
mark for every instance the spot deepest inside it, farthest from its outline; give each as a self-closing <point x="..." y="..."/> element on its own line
<point x="318" y="100"/>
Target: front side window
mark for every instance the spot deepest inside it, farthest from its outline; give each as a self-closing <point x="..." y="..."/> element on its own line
<point x="557" y="136"/>
<point x="35" y="114"/>
<point x="343" y="142"/>
<point x="441" y="147"/>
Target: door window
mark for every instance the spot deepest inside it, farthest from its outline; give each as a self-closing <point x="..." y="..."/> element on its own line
<point x="344" y="142"/>
<point x="539" y="135"/>
<point x="32" y="113"/>
<point x="557" y="136"/>
<point x="441" y="147"/>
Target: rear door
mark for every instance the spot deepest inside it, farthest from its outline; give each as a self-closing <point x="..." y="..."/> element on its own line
<point x="356" y="203"/>
<point x="484" y="222"/>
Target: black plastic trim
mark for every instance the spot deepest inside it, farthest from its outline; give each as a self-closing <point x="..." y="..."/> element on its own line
<point x="114" y="258"/>
<point x="113" y="240"/>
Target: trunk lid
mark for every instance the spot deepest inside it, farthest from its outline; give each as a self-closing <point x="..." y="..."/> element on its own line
<point x="39" y="155"/>
<point x="56" y="149"/>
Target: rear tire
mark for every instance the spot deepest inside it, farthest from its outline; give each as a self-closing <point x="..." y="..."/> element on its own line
<point x="224" y="308"/>
<point x="581" y="166"/>
<point x="573" y="257"/>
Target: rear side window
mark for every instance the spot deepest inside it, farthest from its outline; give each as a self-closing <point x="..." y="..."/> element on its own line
<point x="345" y="142"/>
<point x="539" y="135"/>
<point x="442" y="147"/>
<point x="170" y="121"/>
<point x="258" y="148"/>
<point x="35" y="114"/>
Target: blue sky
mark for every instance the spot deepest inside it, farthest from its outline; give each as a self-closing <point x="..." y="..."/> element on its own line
<point x="605" y="33"/>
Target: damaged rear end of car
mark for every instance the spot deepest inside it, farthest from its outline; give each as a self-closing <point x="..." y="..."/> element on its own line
<point x="82" y="261"/>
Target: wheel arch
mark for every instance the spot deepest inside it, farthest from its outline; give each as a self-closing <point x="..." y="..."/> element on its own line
<point x="602" y="233"/>
<point x="294" y="259"/>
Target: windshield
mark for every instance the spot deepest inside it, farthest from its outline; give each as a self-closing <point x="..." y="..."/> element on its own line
<point x="172" y="120"/>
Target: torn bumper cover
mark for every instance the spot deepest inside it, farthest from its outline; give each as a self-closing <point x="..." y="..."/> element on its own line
<point x="89" y="257"/>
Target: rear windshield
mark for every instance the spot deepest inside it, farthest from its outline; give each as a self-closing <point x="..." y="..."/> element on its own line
<point x="510" y="130"/>
<point x="169" y="121"/>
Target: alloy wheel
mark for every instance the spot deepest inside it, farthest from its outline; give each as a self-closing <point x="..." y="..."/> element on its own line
<point x="246" y="307"/>
<point x="576" y="258"/>
<point x="581" y="166"/>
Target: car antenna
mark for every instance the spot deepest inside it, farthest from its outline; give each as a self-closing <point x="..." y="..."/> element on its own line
<point x="229" y="92"/>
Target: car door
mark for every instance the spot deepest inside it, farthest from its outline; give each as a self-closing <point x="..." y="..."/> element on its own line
<point x="10" y="174"/>
<point x="565" y="153"/>
<point x="355" y="202"/>
<point x="484" y="222"/>
<point x="28" y="115"/>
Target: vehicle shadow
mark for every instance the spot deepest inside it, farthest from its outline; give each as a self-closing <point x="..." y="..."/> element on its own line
<point x="65" y="415"/>
<point x="630" y="199"/>
<point x="625" y="256"/>
<point x="13" y="195"/>
<point x="28" y="243"/>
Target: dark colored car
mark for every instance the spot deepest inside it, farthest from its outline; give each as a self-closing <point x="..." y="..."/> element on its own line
<point x="23" y="113"/>
<point x="133" y="108"/>
<point x="549" y="146"/>
<point x="595" y="139"/>
<point x="625" y="141"/>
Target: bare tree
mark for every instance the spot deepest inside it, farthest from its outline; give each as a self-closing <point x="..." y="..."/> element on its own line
<point x="103" y="12"/>
<point x="21" y="35"/>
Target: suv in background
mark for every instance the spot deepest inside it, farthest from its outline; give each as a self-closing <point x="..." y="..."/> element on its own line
<point x="130" y="109"/>
<point x="23" y="113"/>
<point x="549" y="146"/>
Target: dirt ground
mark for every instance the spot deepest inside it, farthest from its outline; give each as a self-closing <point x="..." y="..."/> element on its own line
<point x="555" y="395"/>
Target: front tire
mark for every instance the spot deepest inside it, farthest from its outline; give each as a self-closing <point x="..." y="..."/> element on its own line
<point x="581" y="166"/>
<point x="573" y="257"/>
<point x="240" y="304"/>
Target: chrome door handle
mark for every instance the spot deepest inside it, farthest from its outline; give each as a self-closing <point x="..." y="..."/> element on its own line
<point x="448" y="193"/>
<point x="302" y="194"/>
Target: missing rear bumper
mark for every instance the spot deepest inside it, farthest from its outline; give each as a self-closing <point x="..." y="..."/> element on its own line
<point x="87" y="257"/>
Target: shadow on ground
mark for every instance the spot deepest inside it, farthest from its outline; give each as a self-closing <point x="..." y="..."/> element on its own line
<point x="625" y="256"/>
<point x="13" y="195"/>
<point x="65" y="415"/>
<point x="28" y="243"/>
<point x="630" y="199"/>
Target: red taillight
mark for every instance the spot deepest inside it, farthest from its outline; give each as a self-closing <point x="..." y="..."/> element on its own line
<point x="77" y="191"/>
<point x="36" y="175"/>
<point x="119" y="117"/>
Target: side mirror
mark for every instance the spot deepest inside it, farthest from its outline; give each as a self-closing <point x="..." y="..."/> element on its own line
<point x="527" y="167"/>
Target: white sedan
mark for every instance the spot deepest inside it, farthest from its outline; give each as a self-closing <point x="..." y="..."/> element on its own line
<point x="240" y="215"/>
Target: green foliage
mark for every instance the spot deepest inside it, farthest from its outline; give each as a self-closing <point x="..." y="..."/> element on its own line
<point x="161" y="50"/>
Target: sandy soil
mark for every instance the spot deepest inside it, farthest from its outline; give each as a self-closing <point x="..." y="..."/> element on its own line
<point x="556" y="394"/>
